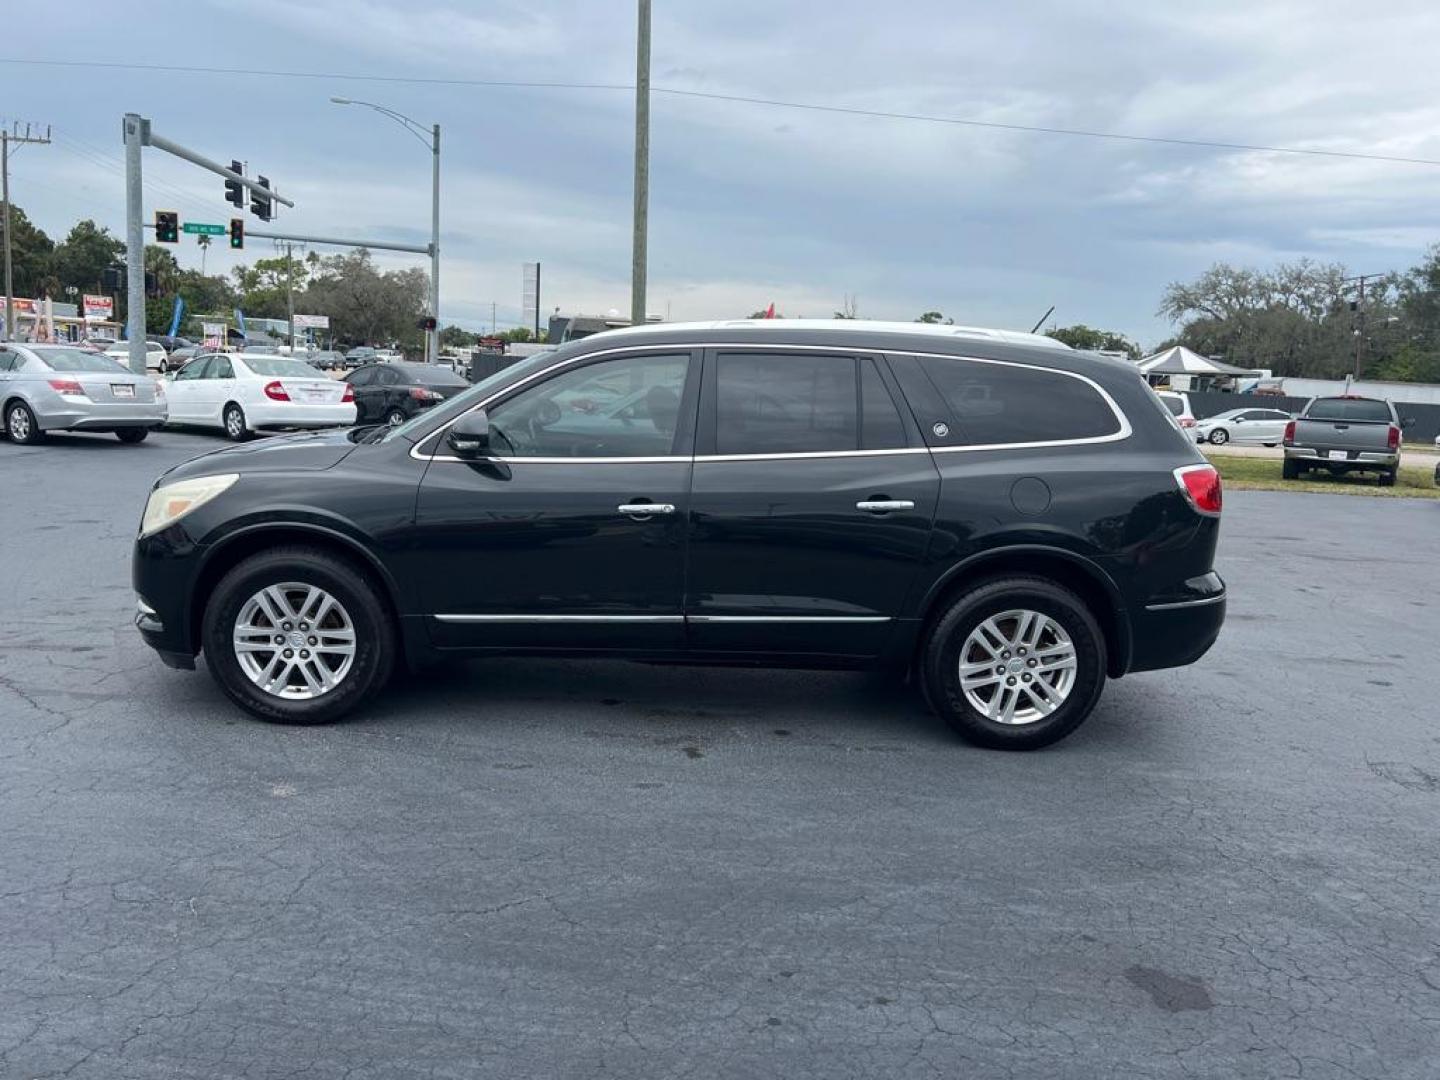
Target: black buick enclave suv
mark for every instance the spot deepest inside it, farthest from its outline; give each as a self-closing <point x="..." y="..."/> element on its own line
<point x="1006" y="519"/>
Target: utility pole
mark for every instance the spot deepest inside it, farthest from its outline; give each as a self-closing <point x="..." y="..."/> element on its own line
<point x="1359" y="328"/>
<point x="290" y="291"/>
<point x="492" y="318"/>
<point x="8" y="136"/>
<point x="642" y="166"/>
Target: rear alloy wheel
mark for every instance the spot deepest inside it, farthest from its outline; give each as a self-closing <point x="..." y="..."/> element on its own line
<point x="1016" y="663"/>
<point x="234" y="419"/>
<point x="132" y="435"/>
<point x="21" y="426"/>
<point x="1219" y="437"/>
<point x="297" y="636"/>
<point x="395" y="417"/>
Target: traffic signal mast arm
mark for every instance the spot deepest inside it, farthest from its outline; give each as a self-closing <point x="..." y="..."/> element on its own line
<point x="263" y="191"/>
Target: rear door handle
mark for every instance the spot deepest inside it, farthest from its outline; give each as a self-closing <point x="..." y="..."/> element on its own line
<point x="645" y="509"/>
<point x="884" y="506"/>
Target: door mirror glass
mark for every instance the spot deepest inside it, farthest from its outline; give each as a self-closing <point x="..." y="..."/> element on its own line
<point x="469" y="437"/>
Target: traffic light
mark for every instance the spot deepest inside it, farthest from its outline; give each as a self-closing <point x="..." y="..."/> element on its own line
<point x="234" y="190"/>
<point x="237" y="233"/>
<point x="167" y="227"/>
<point x="260" y="205"/>
<point x="427" y="324"/>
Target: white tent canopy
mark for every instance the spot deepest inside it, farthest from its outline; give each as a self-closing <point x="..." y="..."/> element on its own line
<point x="1179" y="360"/>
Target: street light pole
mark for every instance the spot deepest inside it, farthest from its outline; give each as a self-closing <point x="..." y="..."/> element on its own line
<point x="432" y="140"/>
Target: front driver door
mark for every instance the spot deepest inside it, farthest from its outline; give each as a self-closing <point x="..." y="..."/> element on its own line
<point x="186" y="390"/>
<point x="572" y="536"/>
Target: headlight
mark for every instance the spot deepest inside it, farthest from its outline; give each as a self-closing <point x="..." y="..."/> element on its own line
<point x="168" y="504"/>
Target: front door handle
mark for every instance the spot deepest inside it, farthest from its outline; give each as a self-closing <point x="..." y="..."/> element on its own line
<point x="884" y="506"/>
<point x="645" y="510"/>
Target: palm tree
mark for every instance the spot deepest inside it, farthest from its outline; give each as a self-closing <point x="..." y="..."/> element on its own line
<point x="204" y="241"/>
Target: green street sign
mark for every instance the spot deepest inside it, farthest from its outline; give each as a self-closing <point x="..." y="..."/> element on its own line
<point x="203" y="229"/>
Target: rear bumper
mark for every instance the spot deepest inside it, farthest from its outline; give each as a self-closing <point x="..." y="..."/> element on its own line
<point x="1353" y="458"/>
<point x="1174" y="633"/>
<point x="300" y="415"/>
<point x="102" y="417"/>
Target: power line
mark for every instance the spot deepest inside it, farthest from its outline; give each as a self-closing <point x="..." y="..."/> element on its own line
<point x="844" y="110"/>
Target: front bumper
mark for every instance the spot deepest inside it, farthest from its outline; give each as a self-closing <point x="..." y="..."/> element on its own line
<point x="152" y="631"/>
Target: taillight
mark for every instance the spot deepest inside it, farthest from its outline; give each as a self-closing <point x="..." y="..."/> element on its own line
<point x="1186" y="421"/>
<point x="420" y="393"/>
<point x="348" y="394"/>
<point x="1289" y="439"/>
<point x="1393" y="442"/>
<point x="1201" y="485"/>
<point x="67" y="386"/>
<point x="275" y="391"/>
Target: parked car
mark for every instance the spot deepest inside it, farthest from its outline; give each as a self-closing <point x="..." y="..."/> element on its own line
<point x="796" y="494"/>
<point x="156" y="358"/>
<point x="1179" y="405"/>
<point x="46" y="388"/>
<point x="241" y="393"/>
<point x="325" y="359"/>
<point x="388" y="356"/>
<point x="171" y="343"/>
<point x="1342" y="435"/>
<point x="393" y="393"/>
<point x="359" y="356"/>
<point x="1262" y="427"/>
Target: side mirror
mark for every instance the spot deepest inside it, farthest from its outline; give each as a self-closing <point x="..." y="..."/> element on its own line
<point x="1238" y="420"/>
<point x="469" y="437"/>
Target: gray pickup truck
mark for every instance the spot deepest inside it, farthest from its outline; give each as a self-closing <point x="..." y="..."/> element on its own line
<point x="1344" y="434"/>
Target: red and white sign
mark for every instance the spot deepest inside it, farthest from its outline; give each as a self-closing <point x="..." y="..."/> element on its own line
<point x="98" y="307"/>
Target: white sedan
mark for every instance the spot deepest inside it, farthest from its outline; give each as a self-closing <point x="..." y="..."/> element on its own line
<point x="1262" y="426"/>
<point x="241" y="393"/>
<point x="156" y="359"/>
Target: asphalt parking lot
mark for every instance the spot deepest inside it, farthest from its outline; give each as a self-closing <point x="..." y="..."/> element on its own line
<point x="546" y="869"/>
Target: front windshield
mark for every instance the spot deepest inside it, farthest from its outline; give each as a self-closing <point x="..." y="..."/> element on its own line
<point x="466" y="398"/>
<point x="79" y="360"/>
<point x="278" y="366"/>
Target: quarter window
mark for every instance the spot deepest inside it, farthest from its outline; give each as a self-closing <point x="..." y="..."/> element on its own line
<point x="1009" y="403"/>
<point x="627" y="407"/>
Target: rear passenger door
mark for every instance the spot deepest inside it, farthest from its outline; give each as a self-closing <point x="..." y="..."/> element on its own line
<point x="810" y="507"/>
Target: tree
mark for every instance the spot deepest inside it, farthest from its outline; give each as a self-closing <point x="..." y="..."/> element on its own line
<point x="31" y="255"/>
<point x="365" y="305"/>
<point x="1081" y="336"/>
<point x="452" y="337"/>
<point x="935" y="317"/>
<point x="86" y="252"/>
<point x="262" y="286"/>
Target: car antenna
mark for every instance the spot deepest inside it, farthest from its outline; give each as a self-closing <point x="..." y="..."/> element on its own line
<point x="1036" y="328"/>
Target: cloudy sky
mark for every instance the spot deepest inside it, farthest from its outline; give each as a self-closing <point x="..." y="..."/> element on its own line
<point x="753" y="203"/>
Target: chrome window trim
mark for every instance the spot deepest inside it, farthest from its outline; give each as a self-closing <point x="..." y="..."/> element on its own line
<point x="658" y="349"/>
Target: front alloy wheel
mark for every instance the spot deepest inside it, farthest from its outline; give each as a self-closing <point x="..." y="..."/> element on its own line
<point x="1219" y="436"/>
<point x="298" y="636"/>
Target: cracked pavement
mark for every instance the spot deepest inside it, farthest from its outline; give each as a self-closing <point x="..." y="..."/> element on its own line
<point x="538" y="868"/>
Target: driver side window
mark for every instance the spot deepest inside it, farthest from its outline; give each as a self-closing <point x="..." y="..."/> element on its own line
<point x="194" y="370"/>
<point x="627" y="407"/>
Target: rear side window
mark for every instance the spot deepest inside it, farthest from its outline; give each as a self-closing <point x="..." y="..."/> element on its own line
<point x="786" y="404"/>
<point x="993" y="403"/>
<point x="1174" y="404"/>
<point x="1362" y="409"/>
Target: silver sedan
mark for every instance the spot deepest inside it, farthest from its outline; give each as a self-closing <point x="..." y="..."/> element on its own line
<point x="61" y="388"/>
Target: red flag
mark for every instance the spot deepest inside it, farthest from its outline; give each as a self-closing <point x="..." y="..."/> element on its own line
<point x="770" y="311"/>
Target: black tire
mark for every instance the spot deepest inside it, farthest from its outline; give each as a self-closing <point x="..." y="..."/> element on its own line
<point x="396" y="417"/>
<point x="1387" y="479"/>
<point x="21" y="425"/>
<point x="1219" y="437"/>
<point x="234" y="420"/>
<point x="939" y="666"/>
<point x="132" y="435"/>
<point x="376" y="643"/>
<point x="1290" y="470"/>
